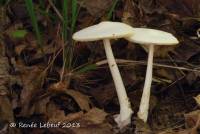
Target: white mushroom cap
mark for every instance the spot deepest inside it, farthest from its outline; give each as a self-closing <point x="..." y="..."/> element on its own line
<point x="151" y="36"/>
<point x="104" y="30"/>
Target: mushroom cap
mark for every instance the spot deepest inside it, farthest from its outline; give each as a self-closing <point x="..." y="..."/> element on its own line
<point x="103" y="30"/>
<point x="151" y="36"/>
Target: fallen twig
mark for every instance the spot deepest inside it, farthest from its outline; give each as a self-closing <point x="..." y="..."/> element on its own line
<point x="122" y="61"/>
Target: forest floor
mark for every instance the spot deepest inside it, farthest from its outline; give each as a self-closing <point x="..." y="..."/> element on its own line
<point x="51" y="84"/>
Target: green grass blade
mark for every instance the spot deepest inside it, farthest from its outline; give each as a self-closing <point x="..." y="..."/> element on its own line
<point x="74" y="15"/>
<point x="65" y="19"/>
<point x="87" y="68"/>
<point x="109" y="15"/>
<point x="31" y="12"/>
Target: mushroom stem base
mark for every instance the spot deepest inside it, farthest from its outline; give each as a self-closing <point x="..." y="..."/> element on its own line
<point x="123" y="119"/>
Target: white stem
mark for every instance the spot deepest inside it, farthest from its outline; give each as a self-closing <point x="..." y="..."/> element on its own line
<point x="144" y="104"/>
<point x="125" y="107"/>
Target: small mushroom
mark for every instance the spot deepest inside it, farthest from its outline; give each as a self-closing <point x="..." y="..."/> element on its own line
<point x="105" y="31"/>
<point x="150" y="38"/>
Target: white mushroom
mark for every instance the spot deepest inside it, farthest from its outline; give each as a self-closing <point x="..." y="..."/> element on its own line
<point x="106" y="31"/>
<point x="149" y="37"/>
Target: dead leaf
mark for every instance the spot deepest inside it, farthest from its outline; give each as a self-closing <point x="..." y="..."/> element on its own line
<point x="32" y="81"/>
<point x="6" y="108"/>
<point x="89" y="123"/>
<point x="197" y="99"/>
<point x="40" y="105"/>
<point x="150" y="7"/>
<point x="192" y="77"/>
<point x="104" y="94"/>
<point x="166" y="74"/>
<point x="6" y="113"/>
<point x="159" y="51"/>
<point x="141" y="127"/>
<point x="135" y="98"/>
<point x="177" y="132"/>
<point x="4" y="19"/>
<point x="131" y="13"/>
<point x="192" y="121"/>
<point x="94" y="129"/>
<point x="82" y="100"/>
<point x="54" y="114"/>
<point x="192" y="118"/>
<point x="19" y="10"/>
<point x="186" y="50"/>
<point x="181" y="7"/>
<point x="96" y="8"/>
<point x="93" y="122"/>
<point x="95" y="116"/>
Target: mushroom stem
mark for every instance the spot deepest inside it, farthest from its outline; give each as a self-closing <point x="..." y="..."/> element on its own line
<point x="144" y="104"/>
<point x="125" y="108"/>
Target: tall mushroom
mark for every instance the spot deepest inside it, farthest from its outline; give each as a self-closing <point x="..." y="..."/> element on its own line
<point x="105" y="31"/>
<point x="150" y="38"/>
